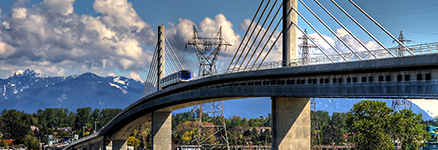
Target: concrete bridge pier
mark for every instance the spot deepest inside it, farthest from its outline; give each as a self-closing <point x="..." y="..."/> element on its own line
<point x="119" y="144"/>
<point x="162" y="130"/>
<point x="290" y="123"/>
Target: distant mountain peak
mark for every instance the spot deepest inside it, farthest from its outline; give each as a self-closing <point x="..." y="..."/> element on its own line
<point x="27" y="72"/>
<point x="88" y="75"/>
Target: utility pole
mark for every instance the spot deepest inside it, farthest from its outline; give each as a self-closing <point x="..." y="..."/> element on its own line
<point x="400" y="49"/>
<point x="305" y="48"/>
<point x="95" y="126"/>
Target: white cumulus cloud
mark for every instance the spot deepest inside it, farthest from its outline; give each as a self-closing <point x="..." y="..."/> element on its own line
<point x="135" y="76"/>
<point x="50" y="37"/>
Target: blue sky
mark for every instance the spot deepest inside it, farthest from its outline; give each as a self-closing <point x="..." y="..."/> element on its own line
<point x="66" y="37"/>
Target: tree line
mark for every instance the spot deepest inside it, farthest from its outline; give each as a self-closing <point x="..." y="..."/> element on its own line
<point x="15" y="124"/>
<point x="368" y="125"/>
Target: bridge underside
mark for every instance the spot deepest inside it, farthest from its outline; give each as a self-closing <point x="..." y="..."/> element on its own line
<point x="406" y="77"/>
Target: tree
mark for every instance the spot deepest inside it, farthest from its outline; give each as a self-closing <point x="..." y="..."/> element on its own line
<point x="132" y="141"/>
<point x="4" y="143"/>
<point x="369" y="127"/>
<point x="408" y="129"/>
<point x="82" y="117"/>
<point x="14" y="127"/>
<point x="30" y="142"/>
<point x="107" y="114"/>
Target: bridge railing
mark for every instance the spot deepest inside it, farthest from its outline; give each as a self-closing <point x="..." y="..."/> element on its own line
<point x="320" y="59"/>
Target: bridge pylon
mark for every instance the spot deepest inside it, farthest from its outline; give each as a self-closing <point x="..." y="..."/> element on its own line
<point x="290" y="37"/>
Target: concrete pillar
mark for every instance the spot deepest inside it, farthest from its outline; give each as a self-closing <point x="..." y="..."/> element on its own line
<point x="290" y="37"/>
<point x="162" y="130"/>
<point x="290" y="123"/>
<point x="97" y="146"/>
<point x="103" y="144"/>
<point x="160" y="52"/>
<point x="119" y="145"/>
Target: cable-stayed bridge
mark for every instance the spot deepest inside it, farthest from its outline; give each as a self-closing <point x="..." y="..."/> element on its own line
<point x="401" y="72"/>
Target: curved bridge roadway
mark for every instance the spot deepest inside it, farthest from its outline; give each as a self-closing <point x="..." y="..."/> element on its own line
<point x="403" y="77"/>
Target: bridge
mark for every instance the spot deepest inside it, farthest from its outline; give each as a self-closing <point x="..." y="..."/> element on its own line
<point x="289" y="86"/>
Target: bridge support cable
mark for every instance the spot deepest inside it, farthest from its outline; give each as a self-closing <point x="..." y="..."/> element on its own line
<point x="174" y="55"/>
<point x="267" y="41"/>
<point x="345" y="28"/>
<point x="249" y="38"/>
<point x="243" y="39"/>
<point x="261" y="63"/>
<point x="314" y="29"/>
<point x="272" y="33"/>
<point x="258" y="33"/>
<point x="263" y="37"/>
<point x="273" y="44"/>
<point x="311" y="40"/>
<point x="323" y="23"/>
<point x="381" y="27"/>
<point x="170" y="68"/>
<point x="365" y="30"/>
<point x="173" y="63"/>
<point x="150" y="78"/>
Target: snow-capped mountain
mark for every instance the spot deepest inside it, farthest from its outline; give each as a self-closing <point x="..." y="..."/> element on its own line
<point x="30" y="91"/>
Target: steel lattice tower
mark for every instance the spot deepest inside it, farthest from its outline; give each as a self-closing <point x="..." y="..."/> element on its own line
<point x="399" y="104"/>
<point x="305" y="48"/>
<point x="207" y="66"/>
<point x="314" y="119"/>
<point x="215" y="112"/>
<point x="207" y="62"/>
<point x="400" y="49"/>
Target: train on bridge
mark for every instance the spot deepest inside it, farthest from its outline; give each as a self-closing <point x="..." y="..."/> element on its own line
<point x="176" y="78"/>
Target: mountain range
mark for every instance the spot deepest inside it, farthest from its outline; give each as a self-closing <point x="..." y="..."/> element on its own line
<point x="29" y="91"/>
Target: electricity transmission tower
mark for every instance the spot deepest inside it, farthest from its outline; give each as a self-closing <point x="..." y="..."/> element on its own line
<point x="212" y="112"/>
<point x="314" y="121"/>
<point x="399" y="104"/>
<point x="207" y="62"/>
<point x="400" y="49"/>
<point x="211" y="124"/>
<point x="305" y="48"/>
